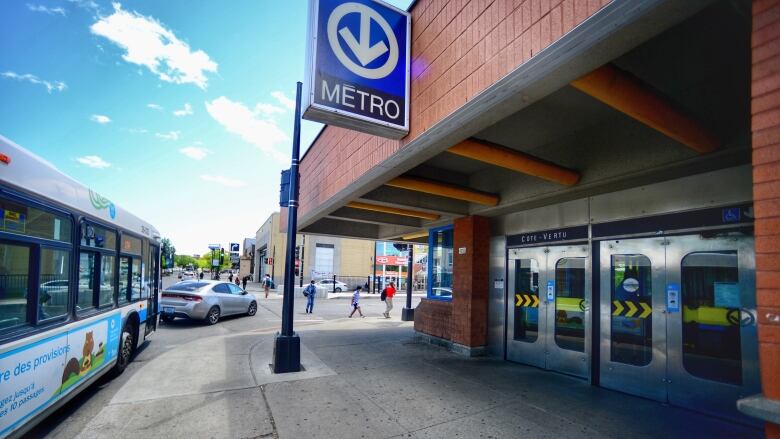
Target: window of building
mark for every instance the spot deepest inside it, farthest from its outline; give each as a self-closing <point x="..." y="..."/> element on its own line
<point x="323" y="260"/>
<point x="440" y="257"/>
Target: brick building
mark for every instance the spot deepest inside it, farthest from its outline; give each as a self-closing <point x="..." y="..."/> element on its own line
<point x="597" y="182"/>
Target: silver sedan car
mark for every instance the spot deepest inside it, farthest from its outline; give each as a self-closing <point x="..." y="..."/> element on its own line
<point x="205" y="300"/>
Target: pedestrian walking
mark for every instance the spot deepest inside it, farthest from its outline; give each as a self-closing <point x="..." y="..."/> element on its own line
<point x="266" y="285"/>
<point x="201" y="275"/>
<point x="230" y="277"/>
<point x="388" y="292"/>
<point x="356" y="302"/>
<point x="244" y="281"/>
<point x="310" y="291"/>
<point x="238" y="281"/>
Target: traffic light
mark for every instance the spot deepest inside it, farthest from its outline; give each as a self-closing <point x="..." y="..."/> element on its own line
<point x="221" y="256"/>
<point x="297" y="252"/>
<point x="296" y="271"/>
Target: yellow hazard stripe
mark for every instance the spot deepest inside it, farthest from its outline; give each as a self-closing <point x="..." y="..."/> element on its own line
<point x="571" y="304"/>
<point x="707" y="315"/>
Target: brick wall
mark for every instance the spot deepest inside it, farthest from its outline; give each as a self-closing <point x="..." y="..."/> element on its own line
<point x="432" y="317"/>
<point x="470" y="281"/>
<point x="459" y="48"/>
<point x="765" y="122"/>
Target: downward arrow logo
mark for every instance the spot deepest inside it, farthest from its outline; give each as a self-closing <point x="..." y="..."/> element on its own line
<point x="363" y="50"/>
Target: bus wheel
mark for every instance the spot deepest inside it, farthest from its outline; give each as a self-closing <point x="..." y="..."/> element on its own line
<point x="125" y="350"/>
<point x="213" y="316"/>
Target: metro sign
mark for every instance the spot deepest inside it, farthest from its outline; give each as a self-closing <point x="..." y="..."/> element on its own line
<point x="358" y="66"/>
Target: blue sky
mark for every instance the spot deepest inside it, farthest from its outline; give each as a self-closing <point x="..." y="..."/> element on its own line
<point x="179" y="111"/>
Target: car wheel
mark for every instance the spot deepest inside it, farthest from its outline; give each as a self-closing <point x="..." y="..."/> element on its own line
<point x="213" y="316"/>
<point x="252" y="309"/>
<point x="126" y="346"/>
<point x="338" y="290"/>
<point x="167" y="318"/>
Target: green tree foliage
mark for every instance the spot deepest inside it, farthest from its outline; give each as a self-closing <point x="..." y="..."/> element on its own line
<point x="167" y="252"/>
<point x="185" y="260"/>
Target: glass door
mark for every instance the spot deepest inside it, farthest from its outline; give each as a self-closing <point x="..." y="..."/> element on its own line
<point x="633" y="319"/>
<point x="678" y="320"/>
<point x="548" y="309"/>
<point x="713" y="348"/>
<point x="567" y="304"/>
<point x="524" y="342"/>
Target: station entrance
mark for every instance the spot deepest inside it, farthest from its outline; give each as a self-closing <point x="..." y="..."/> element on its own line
<point x="549" y="313"/>
<point x="678" y="319"/>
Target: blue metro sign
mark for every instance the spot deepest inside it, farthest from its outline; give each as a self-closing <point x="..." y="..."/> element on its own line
<point x="358" y="66"/>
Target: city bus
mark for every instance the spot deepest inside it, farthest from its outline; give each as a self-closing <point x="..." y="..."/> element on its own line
<point x="79" y="281"/>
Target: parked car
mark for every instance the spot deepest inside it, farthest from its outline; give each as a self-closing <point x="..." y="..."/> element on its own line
<point x="327" y="285"/>
<point x="206" y="300"/>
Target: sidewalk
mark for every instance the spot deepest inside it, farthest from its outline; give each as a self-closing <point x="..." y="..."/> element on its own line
<point x="369" y="378"/>
<point x="257" y="288"/>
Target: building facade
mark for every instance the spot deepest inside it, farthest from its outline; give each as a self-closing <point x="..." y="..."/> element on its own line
<point x="318" y="257"/>
<point x="597" y="184"/>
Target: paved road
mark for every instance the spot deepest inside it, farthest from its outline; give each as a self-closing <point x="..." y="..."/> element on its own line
<point x="69" y="421"/>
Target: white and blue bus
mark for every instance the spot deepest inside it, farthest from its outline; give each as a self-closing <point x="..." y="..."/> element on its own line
<point x="79" y="281"/>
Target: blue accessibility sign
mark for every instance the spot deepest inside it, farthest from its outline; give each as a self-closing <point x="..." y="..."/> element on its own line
<point x="358" y="66"/>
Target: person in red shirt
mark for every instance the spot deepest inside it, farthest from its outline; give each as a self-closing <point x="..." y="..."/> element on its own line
<point x="390" y="292"/>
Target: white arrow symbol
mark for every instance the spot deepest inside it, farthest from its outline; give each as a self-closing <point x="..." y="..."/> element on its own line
<point x="363" y="50"/>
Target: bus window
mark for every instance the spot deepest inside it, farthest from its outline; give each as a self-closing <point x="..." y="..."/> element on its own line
<point x="25" y="220"/>
<point x="86" y="297"/>
<point x="135" y="282"/>
<point x="98" y="237"/>
<point x="124" y="279"/>
<point x="14" y="282"/>
<point x="131" y="245"/>
<point x="107" y="284"/>
<point x="54" y="283"/>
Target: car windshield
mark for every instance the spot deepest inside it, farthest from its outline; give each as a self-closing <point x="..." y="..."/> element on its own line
<point x="188" y="286"/>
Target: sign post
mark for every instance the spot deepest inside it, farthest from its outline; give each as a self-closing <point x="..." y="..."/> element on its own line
<point x="358" y="66"/>
<point x="287" y="345"/>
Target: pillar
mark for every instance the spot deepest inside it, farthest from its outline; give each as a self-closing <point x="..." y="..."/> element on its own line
<point x="471" y="248"/>
<point x="765" y="126"/>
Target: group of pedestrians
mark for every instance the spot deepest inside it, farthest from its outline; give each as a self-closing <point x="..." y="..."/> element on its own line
<point x="241" y="282"/>
<point x="310" y="292"/>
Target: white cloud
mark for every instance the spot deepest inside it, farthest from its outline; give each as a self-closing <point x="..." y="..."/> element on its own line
<point x="46" y="10"/>
<point x="148" y="43"/>
<point x="186" y="111"/>
<point x="99" y="118"/>
<point x="50" y="86"/>
<point x="236" y="118"/>
<point x="93" y="161"/>
<point x="170" y="135"/>
<point x="224" y="181"/>
<point x="154" y="107"/>
<point x="195" y="152"/>
<point x="284" y="100"/>
<point x="268" y="109"/>
<point x="86" y="4"/>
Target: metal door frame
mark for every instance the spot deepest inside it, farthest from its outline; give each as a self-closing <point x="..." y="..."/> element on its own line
<point x="685" y="388"/>
<point x="544" y="352"/>
<point x="649" y="380"/>
<point x="531" y="353"/>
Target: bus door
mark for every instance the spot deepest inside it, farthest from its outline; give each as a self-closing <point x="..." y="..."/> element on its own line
<point x="154" y="289"/>
<point x="678" y="320"/>
<point x="548" y="308"/>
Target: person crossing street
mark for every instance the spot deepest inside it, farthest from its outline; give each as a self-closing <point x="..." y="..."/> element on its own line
<point x="389" y="293"/>
<point x="310" y="291"/>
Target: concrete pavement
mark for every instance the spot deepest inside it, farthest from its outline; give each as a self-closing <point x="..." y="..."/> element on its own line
<point x="369" y="378"/>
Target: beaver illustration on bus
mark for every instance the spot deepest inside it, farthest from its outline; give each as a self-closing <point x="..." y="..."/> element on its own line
<point x="76" y="368"/>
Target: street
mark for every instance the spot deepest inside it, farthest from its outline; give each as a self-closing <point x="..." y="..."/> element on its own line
<point x="70" y="420"/>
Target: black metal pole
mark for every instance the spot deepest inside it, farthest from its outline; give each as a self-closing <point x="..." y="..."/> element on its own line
<point x="373" y="275"/>
<point x="287" y="346"/>
<point x="300" y="269"/>
<point x="407" y="314"/>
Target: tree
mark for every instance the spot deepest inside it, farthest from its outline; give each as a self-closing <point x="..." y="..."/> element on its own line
<point x="167" y="253"/>
<point x="185" y="260"/>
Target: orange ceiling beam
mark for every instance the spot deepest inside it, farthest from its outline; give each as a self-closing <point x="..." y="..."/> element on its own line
<point x="444" y="190"/>
<point x="498" y="155"/>
<point x="627" y="94"/>
<point x="393" y="210"/>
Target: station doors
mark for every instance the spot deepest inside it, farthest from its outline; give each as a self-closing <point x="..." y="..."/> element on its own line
<point x="548" y="308"/>
<point x="678" y="320"/>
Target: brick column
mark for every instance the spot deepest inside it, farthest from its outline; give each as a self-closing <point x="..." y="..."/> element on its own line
<point x="470" y="281"/>
<point x="765" y="123"/>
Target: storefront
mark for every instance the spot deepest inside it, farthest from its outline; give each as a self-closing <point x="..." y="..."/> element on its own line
<point x="597" y="185"/>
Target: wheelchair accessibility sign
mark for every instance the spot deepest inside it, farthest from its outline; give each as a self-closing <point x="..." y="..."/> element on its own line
<point x="358" y="66"/>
